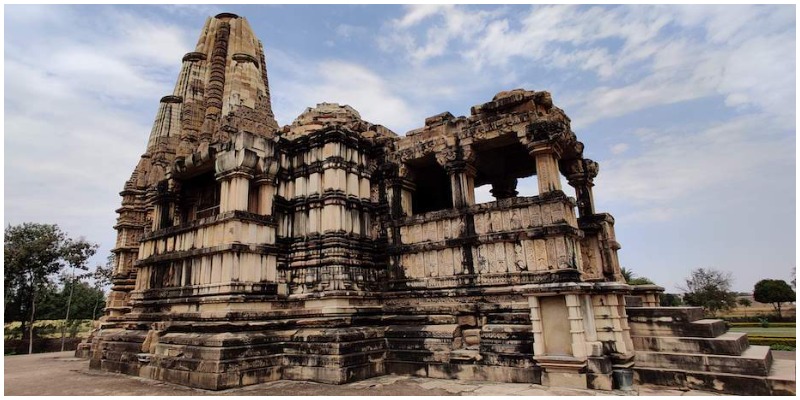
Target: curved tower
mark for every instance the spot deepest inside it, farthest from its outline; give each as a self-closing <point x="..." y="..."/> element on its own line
<point x="222" y="88"/>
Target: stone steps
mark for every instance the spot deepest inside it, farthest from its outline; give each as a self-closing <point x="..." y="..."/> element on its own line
<point x="783" y="377"/>
<point x="755" y="361"/>
<point x="781" y="380"/>
<point x="729" y="343"/>
<point x="706" y="328"/>
<point x="669" y="314"/>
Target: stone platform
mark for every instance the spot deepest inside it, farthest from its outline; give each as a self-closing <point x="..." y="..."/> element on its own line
<point x="676" y="347"/>
<point x="66" y="375"/>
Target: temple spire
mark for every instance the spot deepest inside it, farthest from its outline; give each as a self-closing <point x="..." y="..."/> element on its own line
<point x="223" y="82"/>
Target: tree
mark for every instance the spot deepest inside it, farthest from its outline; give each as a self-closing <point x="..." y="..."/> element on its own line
<point x="33" y="255"/>
<point x="631" y="278"/>
<point x="640" y="280"/>
<point x="710" y="289"/>
<point x="775" y="292"/>
<point x="670" y="300"/>
<point x="75" y="253"/>
<point x="84" y="304"/>
<point x="102" y="281"/>
<point x="626" y="274"/>
<point x="102" y="273"/>
<point x="744" y="303"/>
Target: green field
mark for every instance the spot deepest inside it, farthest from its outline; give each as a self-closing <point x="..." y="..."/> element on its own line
<point x="48" y="329"/>
<point x="789" y="332"/>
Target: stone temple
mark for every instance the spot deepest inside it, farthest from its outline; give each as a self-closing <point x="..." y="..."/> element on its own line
<point x="334" y="250"/>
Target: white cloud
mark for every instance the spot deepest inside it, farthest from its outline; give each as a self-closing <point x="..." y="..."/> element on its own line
<point x="342" y="82"/>
<point x="74" y="101"/>
<point x="419" y="12"/>
<point x="675" y="167"/>
<point x="398" y="98"/>
<point x="619" y="148"/>
<point x="347" y="31"/>
<point x="645" y="55"/>
<point x="449" y="23"/>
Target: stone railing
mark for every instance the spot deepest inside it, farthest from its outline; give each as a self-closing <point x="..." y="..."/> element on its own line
<point x="490" y="242"/>
<point x="233" y="247"/>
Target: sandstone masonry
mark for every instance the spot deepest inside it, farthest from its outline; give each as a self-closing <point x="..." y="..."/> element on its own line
<point x="334" y="250"/>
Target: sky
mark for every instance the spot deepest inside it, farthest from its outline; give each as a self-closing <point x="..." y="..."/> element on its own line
<point x="689" y="110"/>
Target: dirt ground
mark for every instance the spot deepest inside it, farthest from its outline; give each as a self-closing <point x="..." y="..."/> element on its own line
<point x="61" y="374"/>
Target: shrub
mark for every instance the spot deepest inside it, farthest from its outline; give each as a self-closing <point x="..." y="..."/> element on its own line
<point x="782" y="347"/>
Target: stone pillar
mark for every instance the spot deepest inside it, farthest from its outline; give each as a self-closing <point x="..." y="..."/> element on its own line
<point x="576" y="325"/>
<point x="266" y="193"/>
<point x="162" y="207"/>
<point x="266" y="185"/>
<point x="234" y="191"/>
<point x="505" y="188"/>
<point x="406" y="189"/>
<point x="462" y="182"/>
<point x="581" y="174"/>
<point x="546" y="167"/>
<point x="158" y="215"/>
<point x="536" y="326"/>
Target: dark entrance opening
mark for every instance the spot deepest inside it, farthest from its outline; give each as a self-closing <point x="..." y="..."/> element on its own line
<point x="502" y="164"/>
<point x="433" y="191"/>
<point x="200" y="197"/>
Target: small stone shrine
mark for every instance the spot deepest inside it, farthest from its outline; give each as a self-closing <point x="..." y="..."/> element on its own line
<point x="333" y="250"/>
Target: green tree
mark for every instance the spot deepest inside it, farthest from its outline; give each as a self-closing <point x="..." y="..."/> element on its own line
<point x="631" y="278"/>
<point x="775" y="292"/>
<point x="102" y="273"/>
<point x="744" y="303"/>
<point x="84" y="305"/>
<point x="626" y="274"/>
<point x="710" y="289"/>
<point x="33" y="255"/>
<point x="640" y="280"/>
<point x="670" y="300"/>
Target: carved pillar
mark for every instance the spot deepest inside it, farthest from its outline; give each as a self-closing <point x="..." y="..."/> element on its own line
<point x="267" y="187"/>
<point x="234" y="191"/>
<point x="266" y="192"/>
<point x="504" y="188"/>
<point x="235" y="169"/>
<point x="581" y="174"/>
<point x="546" y="167"/>
<point x="576" y="326"/>
<point x="162" y="208"/>
<point x="404" y="187"/>
<point x="462" y="183"/>
<point x="458" y="164"/>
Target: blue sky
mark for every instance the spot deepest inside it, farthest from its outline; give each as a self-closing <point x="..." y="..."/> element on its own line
<point x="690" y="110"/>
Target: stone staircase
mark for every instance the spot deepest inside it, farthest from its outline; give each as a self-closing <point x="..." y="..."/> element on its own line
<point x="677" y="347"/>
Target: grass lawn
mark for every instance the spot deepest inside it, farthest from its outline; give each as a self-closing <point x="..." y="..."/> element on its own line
<point x="770" y="332"/>
<point x="48" y="329"/>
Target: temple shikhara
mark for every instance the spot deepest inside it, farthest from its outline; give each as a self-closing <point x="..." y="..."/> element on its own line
<point x="334" y="250"/>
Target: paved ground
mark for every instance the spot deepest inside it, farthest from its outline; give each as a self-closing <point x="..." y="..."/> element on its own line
<point x="61" y="374"/>
<point x="784" y="355"/>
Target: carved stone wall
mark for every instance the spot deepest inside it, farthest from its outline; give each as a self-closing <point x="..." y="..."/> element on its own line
<point x="333" y="249"/>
